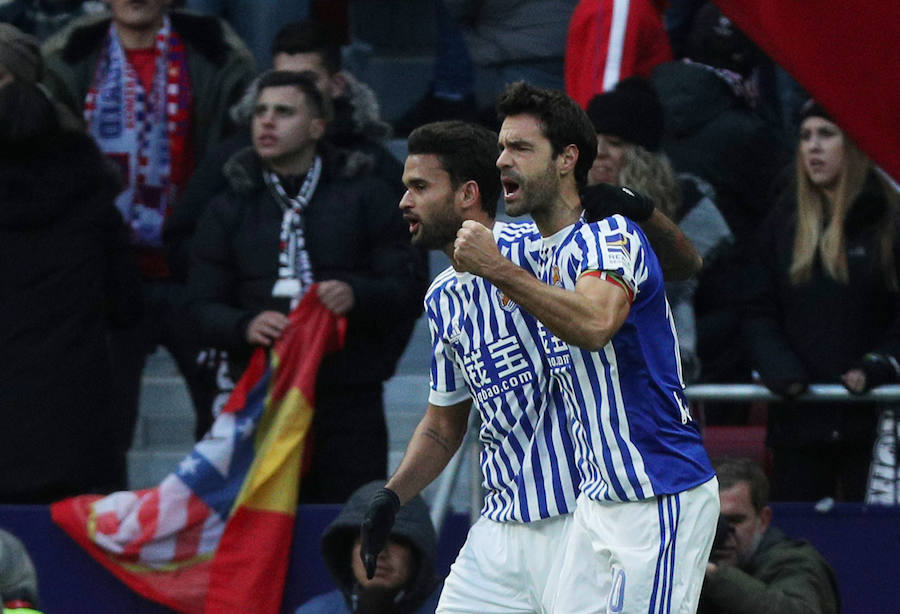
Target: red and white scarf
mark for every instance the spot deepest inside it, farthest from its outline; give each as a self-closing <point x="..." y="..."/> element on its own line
<point x="143" y="131"/>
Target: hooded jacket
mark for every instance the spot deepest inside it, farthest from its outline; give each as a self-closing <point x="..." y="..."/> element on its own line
<point x="66" y="276"/>
<point x="711" y="132"/>
<point x="784" y="576"/>
<point x="356" y="130"/>
<point x="413" y="525"/>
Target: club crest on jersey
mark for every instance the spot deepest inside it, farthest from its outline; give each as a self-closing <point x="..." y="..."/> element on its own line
<point x="555" y="279"/>
<point x="506" y="303"/>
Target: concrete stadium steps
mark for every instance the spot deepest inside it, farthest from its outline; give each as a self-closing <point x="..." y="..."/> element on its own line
<point x="398" y="81"/>
<point x="392" y="50"/>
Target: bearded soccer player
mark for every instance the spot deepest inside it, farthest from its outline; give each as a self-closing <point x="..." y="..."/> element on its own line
<point x="647" y="510"/>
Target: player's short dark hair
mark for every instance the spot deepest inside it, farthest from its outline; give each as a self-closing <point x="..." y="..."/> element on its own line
<point x="733" y="470"/>
<point x="466" y="151"/>
<point x="304" y="82"/>
<point x="563" y="122"/>
<point x="310" y="36"/>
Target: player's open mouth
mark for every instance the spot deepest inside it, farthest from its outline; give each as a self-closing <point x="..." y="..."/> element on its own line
<point x="510" y="189"/>
<point x="414" y="224"/>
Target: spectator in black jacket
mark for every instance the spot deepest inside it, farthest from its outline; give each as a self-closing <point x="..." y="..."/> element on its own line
<point x="292" y="217"/>
<point x="713" y="132"/>
<point x="67" y="277"/>
<point x="825" y="308"/>
<point x="355" y="131"/>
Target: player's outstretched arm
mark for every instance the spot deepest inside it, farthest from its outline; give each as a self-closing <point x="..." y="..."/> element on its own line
<point x="678" y="257"/>
<point x="677" y="254"/>
<point x="435" y="440"/>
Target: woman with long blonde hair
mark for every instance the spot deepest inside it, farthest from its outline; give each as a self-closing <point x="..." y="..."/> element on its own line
<point x="826" y="309"/>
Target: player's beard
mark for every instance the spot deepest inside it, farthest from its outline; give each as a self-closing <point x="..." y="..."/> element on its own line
<point x="440" y="230"/>
<point x="538" y="193"/>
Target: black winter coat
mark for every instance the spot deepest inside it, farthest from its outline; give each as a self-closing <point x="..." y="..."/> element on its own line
<point x="814" y="332"/>
<point x="66" y="274"/>
<point x="712" y="133"/>
<point x="354" y="233"/>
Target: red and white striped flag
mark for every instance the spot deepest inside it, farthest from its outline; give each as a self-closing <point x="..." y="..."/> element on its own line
<point x="215" y="535"/>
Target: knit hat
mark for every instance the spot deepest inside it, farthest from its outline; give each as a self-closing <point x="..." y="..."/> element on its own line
<point x="630" y="111"/>
<point x="20" y="54"/>
<point x="811" y="108"/>
<point x="18" y="579"/>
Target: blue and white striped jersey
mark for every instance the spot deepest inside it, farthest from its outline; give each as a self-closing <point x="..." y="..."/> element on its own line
<point x="487" y="348"/>
<point x="634" y="435"/>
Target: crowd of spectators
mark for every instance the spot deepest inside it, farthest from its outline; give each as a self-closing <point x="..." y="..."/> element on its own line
<point x="153" y="113"/>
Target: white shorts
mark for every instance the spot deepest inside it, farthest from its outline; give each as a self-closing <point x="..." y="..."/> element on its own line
<point x="642" y="557"/>
<point x="506" y="568"/>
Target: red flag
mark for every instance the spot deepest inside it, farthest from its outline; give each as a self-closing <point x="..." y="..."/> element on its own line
<point x="215" y="535"/>
<point x="845" y="54"/>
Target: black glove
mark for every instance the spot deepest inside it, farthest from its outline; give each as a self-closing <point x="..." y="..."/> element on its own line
<point x="785" y="387"/>
<point x="604" y="199"/>
<point x="879" y="369"/>
<point x="376" y="527"/>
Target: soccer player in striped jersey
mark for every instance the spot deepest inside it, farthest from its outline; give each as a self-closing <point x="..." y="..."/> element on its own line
<point x="646" y="516"/>
<point x="486" y="352"/>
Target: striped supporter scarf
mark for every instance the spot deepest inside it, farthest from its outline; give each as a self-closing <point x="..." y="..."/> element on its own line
<point x="145" y="132"/>
<point x="295" y="274"/>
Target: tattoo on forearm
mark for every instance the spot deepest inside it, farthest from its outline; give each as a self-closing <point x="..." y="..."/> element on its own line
<point x="437" y="438"/>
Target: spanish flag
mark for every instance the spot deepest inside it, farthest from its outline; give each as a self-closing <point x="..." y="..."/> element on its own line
<point x="215" y="535"/>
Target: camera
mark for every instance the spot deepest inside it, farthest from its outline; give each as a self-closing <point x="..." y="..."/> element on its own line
<point x="724" y="529"/>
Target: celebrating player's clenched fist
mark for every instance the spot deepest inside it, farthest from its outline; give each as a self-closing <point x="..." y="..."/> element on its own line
<point x="475" y="249"/>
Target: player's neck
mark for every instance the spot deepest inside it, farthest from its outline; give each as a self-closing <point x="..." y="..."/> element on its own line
<point x="565" y="211"/>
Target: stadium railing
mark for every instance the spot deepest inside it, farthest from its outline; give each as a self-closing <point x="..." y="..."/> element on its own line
<point x="886" y="395"/>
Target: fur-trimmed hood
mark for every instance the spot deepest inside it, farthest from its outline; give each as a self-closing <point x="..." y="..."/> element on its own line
<point x="243" y="170"/>
<point x="40" y="183"/>
<point x="357" y="112"/>
<point x="364" y="111"/>
<point x="353" y="131"/>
